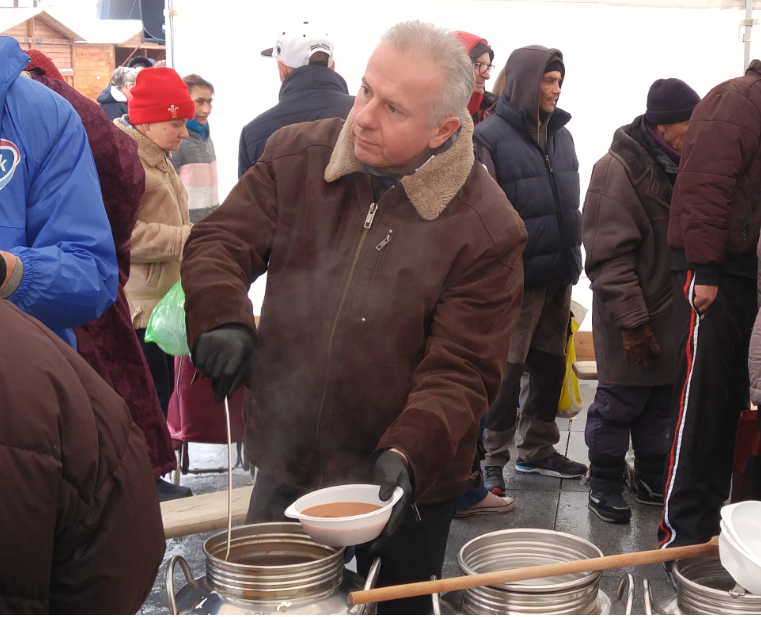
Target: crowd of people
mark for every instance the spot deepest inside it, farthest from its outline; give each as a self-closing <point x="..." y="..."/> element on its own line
<point x="421" y="241"/>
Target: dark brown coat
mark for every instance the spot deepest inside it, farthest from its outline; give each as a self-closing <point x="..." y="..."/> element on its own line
<point x="715" y="218"/>
<point x="79" y="516"/>
<point x="624" y="226"/>
<point x="377" y="331"/>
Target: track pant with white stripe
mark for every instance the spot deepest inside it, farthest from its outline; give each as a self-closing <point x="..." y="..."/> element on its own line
<point x="710" y="391"/>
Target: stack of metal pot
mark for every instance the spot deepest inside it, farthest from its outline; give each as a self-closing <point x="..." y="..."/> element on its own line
<point x="572" y="594"/>
<point x="704" y="587"/>
<point x="273" y="568"/>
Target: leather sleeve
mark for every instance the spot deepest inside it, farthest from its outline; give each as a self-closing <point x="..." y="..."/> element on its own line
<point x="721" y="141"/>
<point x="611" y="236"/>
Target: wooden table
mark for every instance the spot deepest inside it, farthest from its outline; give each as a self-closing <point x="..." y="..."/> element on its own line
<point x="200" y="513"/>
<point x="585" y="369"/>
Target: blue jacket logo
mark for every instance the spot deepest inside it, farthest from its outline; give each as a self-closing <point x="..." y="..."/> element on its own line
<point x="9" y="159"/>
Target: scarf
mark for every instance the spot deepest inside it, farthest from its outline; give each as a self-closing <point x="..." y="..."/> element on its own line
<point x="201" y="129"/>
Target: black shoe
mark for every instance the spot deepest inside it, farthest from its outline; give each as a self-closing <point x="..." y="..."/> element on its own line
<point x="609" y="506"/>
<point x="556" y="466"/>
<point x="168" y="491"/>
<point x="647" y="495"/>
<point x="494" y="482"/>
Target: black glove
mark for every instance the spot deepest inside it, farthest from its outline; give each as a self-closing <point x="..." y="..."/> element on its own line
<point x="391" y="471"/>
<point x="225" y="356"/>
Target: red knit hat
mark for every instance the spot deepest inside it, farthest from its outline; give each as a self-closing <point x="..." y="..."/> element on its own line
<point x="159" y="95"/>
<point x="41" y="61"/>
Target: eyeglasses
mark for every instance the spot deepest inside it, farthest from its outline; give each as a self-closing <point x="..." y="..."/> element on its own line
<point x="483" y="68"/>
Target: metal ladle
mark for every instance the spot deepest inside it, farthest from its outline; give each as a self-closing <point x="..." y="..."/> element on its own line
<point x="229" y="479"/>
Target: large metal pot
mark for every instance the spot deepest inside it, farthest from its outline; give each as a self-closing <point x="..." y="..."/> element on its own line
<point x="273" y="568"/>
<point x="572" y="594"/>
<point x="704" y="587"/>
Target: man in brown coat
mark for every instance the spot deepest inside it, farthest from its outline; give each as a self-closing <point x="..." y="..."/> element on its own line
<point x="394" y="284"/>
<point x="624" y="227"/>
<point x="79" y="516"/>
<point x="713" y="231"/>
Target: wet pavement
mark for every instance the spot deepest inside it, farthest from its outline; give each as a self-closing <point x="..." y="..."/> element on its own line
<point x="541" y="502"/>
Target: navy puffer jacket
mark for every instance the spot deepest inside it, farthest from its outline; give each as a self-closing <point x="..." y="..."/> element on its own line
<point x="308" y="93"/>
<point x="542" y="185"/>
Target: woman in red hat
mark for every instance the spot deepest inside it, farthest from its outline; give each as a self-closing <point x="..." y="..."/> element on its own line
<point x="158" y="110"/>
<point x="482" y="56"/>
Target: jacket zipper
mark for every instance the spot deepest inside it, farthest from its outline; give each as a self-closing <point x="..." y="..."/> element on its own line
<point x="384" y="242"/>
<point x="556" y="194"/>
<point x="363" y="237"/>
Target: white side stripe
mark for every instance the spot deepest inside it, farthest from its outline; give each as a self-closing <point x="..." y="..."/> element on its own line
<point x="666" y="520"/>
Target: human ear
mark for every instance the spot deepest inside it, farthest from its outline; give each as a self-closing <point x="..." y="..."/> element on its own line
<point x="444" y="130"/>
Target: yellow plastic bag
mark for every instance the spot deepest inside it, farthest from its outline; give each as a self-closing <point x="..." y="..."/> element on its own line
<point x="570" y="397"/>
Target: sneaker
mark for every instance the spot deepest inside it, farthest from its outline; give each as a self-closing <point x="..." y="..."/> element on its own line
<point x="609" y="506"/>
<point x="646" y="495"/>
<point x="168" y="491"/>
<point x="491" y="504"/>
<point x="494" y="482"/>
<point x="556" y="466"/>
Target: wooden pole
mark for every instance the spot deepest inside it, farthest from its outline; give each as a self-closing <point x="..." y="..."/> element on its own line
<point x="458" y="583"/>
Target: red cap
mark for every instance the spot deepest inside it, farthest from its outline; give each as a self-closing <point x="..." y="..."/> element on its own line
<point x="41" y="61"/>
<point x="159" y="95"/>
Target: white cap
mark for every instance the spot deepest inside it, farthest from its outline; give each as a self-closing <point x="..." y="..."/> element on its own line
<point x="295" y="45"/>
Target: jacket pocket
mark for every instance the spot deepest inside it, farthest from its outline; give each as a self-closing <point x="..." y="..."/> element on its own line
<point x="154" y="274"/>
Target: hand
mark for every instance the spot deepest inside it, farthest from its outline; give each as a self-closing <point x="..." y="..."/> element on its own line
<point x="10" y="264"/>
<point x="391" y="470"/>
<point x="225" y="356"/>
<point x="704" y="297"/>
<point x="640" y="345"/>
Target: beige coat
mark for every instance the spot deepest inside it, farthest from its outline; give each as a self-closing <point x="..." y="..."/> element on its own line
<point x="162" y="227"/>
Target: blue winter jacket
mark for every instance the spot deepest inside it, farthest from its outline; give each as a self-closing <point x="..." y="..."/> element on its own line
<point x="542" y="182"/>
<point x="308" y="93"/>
<point x="51" y="210"/>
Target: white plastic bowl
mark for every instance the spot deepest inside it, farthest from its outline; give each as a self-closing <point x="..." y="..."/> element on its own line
<point x="743" y="568"/>
<point x="346" y="530"/>
<point x="743" y="524"/>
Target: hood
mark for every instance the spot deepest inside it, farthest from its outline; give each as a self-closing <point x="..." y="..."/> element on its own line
<point x="12" y="63"/>
<point x="310" y="78"/>
<point x="106" y="97"/>
<point x="523" y="75"/>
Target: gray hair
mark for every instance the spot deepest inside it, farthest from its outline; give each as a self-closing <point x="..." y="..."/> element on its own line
<point x="123" y="76"/>
<point x="445" y="50"/>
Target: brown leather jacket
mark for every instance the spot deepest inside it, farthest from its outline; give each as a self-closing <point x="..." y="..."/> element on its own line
<point x="79" y="515"/>
<point x="715" y="218"/>
<point x="624" y="225"/>
<point x="382" y="326"/>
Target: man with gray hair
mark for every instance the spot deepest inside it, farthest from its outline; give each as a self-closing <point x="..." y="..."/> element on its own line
<point x="115" y="96"/>
<point x="394" y="285"/>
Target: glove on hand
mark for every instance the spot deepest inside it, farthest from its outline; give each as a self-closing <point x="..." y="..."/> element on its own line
<point x="390" y="470"/>
<point x="640" y="345"/>
<point x="225" y="356"/>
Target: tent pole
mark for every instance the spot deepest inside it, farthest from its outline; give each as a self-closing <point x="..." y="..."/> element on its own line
<point x="748" y="30"/>
<point x="169" y="32"/>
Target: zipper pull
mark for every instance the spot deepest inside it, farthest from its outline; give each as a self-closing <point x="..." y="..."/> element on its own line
<point x="385" y="241"/>
<point x="371" y="215"/>
<point x="549" y="163"/>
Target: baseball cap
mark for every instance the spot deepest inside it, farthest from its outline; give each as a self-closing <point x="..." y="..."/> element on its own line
<point x="295" y="45"/>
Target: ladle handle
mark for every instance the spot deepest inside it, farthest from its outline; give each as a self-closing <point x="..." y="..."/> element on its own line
<point x="170" y="580"/>
<point x="396" y="592"/>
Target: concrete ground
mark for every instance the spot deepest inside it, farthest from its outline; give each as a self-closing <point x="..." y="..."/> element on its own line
<point x="546" y="503"/>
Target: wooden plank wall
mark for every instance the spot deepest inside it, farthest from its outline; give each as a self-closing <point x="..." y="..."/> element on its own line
<point x="93" y="65"/>
<point x="582" y="341"/>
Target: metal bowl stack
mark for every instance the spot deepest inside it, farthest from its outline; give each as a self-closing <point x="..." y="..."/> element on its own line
<point x="518" y="548"/>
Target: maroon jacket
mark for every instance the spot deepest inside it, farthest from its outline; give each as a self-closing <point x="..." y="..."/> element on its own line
<point x="715" y="219"/>
<point x="109" y="344"/>
<point x="383" y="325"/>
<point x="80" y="521"/>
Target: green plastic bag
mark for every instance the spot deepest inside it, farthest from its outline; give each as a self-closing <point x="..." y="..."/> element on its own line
<point x="166" y="327"/>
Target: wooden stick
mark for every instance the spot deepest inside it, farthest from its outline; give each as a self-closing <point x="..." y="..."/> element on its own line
<point x="395" y="592"/>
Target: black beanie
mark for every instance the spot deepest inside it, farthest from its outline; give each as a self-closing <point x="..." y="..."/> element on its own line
<point x="479" y="49"/>
<point x="670" y="101"/>
<point x="556" y="65"/>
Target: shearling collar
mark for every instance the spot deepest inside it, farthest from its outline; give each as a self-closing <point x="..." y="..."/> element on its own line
<point x="433" y="186"/>
<point x="152" y="154"/>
